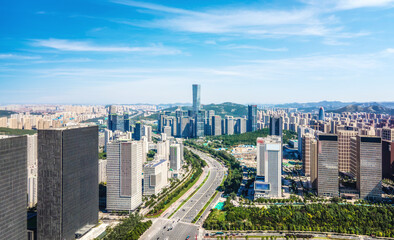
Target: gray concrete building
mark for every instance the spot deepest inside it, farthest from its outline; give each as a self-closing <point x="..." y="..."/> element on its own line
<point x="327" y="165"/>
<point x="124" y="175"/>
<point x="13" y="187"/>
<point x="155" y="177"/>
<point x="369" y="167"/>
<point x="68" y="201"/>
<point x="216" y="125"/>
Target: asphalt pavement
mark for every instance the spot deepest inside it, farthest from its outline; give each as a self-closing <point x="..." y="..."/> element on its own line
<point x="179" y="226"/>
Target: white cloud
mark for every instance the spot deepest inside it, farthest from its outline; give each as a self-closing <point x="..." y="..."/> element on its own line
<point x="17" y="57"/>
<point x="82" y="46"/>
<point x="233" y="46"/>
<point x="353" y="4"/>
<point x="389" y="50"/>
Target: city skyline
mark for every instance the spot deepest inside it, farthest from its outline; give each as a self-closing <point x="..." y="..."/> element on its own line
<point x="120" y="51"/>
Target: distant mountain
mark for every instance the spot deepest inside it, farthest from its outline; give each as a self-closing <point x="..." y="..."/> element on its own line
<point x="222" y="109"/>
<point x="363" y="108"/>
<point x="329" y="105"/>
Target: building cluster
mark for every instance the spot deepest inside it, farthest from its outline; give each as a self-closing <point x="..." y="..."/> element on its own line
<point x="61" y="169"/>
<point x="34" y="117"/>
<point x="331" y="145"/>
<point x="197" y="122"/>
<point x="128" y="173"/>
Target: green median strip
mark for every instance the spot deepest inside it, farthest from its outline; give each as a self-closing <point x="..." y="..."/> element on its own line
<point x="205" y="207"/>
<point x="187" y="199"/>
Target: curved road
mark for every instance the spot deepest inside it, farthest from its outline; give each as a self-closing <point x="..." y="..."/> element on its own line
<point x="179" y="226"/>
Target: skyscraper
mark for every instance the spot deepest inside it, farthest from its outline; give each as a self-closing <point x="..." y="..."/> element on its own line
<point x="252" y="118"/>
<point x="175" y="157"/>
<point x="196" y="98"/>
<point x="137" y="131"/>
<point x="344" y="149"/>
<point x="321" y="114"/>
<point x="269" y="167"/>
<point x="67" y="182"/>
<point x="369" y="167"/>
<point x="388" y="159"/>
<point x="216" y="125"/>
<point x="276" y="126"/>
<point x="13" y="175"/>
<point x="327" y="165"/>
<point x="124" y="175"/>
<point x="155" y="177"/>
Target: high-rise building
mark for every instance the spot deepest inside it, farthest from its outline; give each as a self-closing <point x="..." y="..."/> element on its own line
<point x="68" y="201"/>
<point x="327" y="165"/>
<point x="252" y="118"/>
<point x="13" y="175"/>
<point x="216" y="125"/>
<point x="321" y="114"/>
<point x="137" y="131"/>
<point x="124" y="175"/>
<point x="118" y="122"/>
<point x="199" y="124"/>
<point x="276" y="126"/>
<point x="148" y="132"/>
<point x="229" y="125"/>
<point x="388" y="134"/>
<point x="344" y="149"/>
<point x="388" y="159"/>
<point x="196" y="98"/>
<point x="155" y="177"/>
<point x="32" y="170"/>
<point x="175" y="157"/>
<point x="369" y="167"/>
<point x="269" y="167"/>
<point x="240" y="126"/>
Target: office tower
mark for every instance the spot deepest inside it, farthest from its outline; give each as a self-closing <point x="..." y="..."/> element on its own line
<point x="167" y="130"/>
<point x="327" y="165"/>
<point x="163" y="149"/>
<point x="229" y="125"/>
<point x="32" y="170"/>
<point x="388" y="134"/>
<point x="353" y="157"/>
<point x="276" y="126"/>
<point x="344" y="150"/>
<point x="196" y="98"/>
<point x="102" y="170"/>
<point x="118" y="122"/>
<point x="107" y="137"/>
<point x="155" y="177"/>
<point x="269" y="167"/>
<point x="199" y="124"/>
<point x="313" y="163"/>
<point x="67" y="182"/>
<point x="307" y="153"/>
<point x="137" y="131"/>
<point x="388" y="159"/>
<point x="184" y="127"/>
<point x="175" y="157"/>
<point x="252" y="118"/>
<point x="216" y="125"/>
<point x="369" y="167"/>
<point x="240" y="125"/>
<point x="148" y="132"/>
<point x="210" y="113"/>
<point x="13" y="175"/>
<point x="112" y="109"/>
<point x="208" y="126"/>
<point x="124" y="175"/>
<point x="321" y="114"/>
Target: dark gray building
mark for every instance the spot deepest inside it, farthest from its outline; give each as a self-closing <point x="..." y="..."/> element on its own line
<point x="67" y="182"/>
<point x="13" y="188"/>
<point x="327" y="166"/>
<point x="252" y="118"/>
<point x="276" y="126"/>
<point x="369" y="166"/>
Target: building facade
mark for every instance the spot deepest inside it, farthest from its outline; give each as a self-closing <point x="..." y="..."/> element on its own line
<point x="68" y="201"/>
<point x="327" y="166"/>
<point x="13" y="175"/>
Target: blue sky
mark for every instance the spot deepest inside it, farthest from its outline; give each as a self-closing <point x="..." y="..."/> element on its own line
<point x="121" y="51"/>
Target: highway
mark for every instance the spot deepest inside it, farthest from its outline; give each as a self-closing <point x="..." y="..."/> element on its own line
<point x="180" y="225"/>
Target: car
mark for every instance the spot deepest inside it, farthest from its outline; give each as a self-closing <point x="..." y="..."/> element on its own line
<point x="164" y="227"/>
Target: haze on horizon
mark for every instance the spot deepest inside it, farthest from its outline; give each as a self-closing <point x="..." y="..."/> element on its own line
<point x="122" y="51"/>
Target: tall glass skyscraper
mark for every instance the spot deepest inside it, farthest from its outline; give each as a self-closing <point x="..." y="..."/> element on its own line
<point x="321" y="114"/>
<point x="252" y="118"/>
<point x="196" y="98"/>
